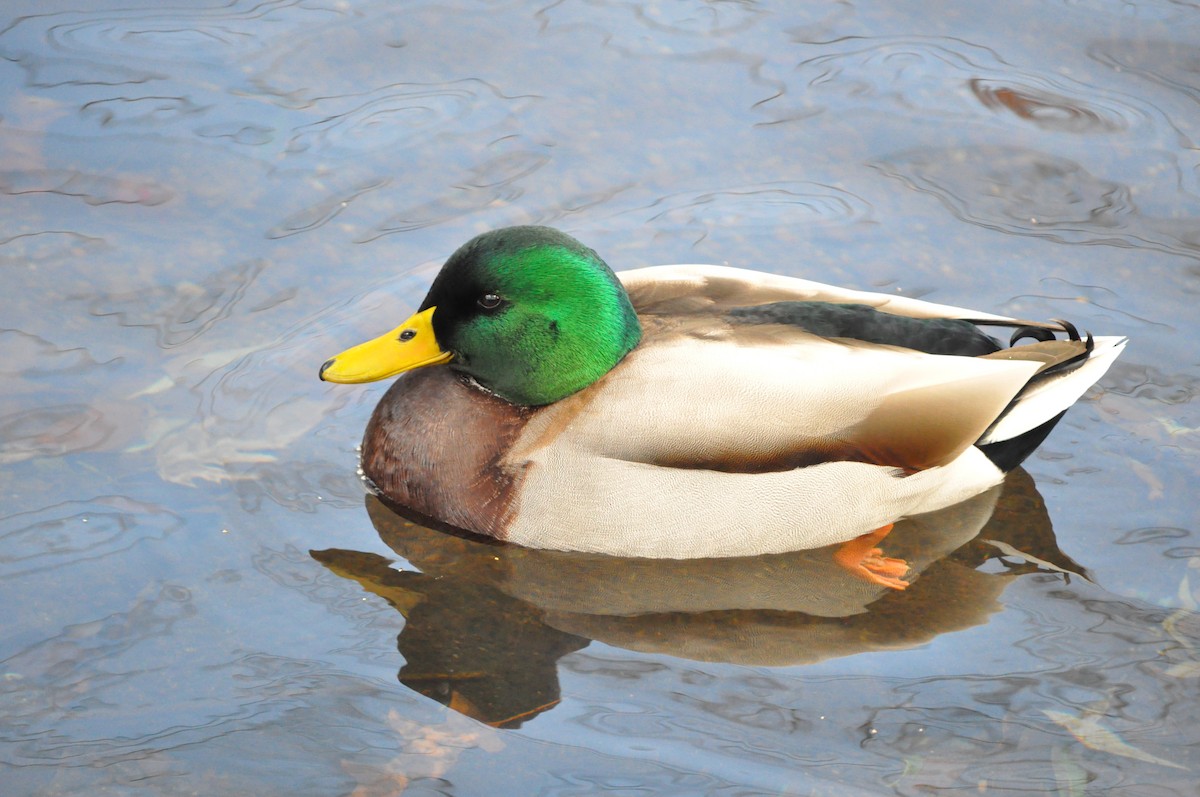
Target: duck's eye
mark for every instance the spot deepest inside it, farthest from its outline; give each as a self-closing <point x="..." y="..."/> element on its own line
<point x="489" y="301"/>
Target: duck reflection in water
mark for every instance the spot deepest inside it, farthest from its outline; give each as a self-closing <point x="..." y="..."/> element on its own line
<point x="486" y="623"/>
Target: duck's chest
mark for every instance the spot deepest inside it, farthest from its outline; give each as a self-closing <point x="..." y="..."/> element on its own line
<point x="436" y="445"/>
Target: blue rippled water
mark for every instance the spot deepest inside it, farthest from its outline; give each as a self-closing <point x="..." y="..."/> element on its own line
<point x="203" y="201"/>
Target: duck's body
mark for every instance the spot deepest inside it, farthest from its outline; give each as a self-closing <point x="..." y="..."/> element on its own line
<point x="745" y="413"/>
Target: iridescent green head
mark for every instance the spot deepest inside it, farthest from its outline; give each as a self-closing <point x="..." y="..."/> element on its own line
<point x="529" y="313"/>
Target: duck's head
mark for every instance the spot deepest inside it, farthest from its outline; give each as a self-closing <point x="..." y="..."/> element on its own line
<point x="529" y="313"/>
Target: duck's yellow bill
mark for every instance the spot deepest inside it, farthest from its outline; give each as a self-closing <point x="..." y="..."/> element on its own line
<point x="408" y="346"/>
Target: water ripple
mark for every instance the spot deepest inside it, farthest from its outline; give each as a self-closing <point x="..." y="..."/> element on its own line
<point x="1152" y="534"/>
<point x="48" y="246"/>
<point x="951" y="80"/>
<point x="176" y="64"/>
<point x="147" y="111"/>
<point x="98" y="696"/>
<point x="234" y="30"/>
<point x="1058" y="290"/>
<point x="326" y="210"/>
<point x="240" y="410"/>
<point x="175" y="68"/>
<point x="1169" y="63"/>
<point x="490" y="184"/>
<point x="53" y="431"/>
<point x="683" y="28"/>
<point x="1150" y="383"/>
<point x="26" y="355"/>
<point x="41" y="414"/>
<point x="1126" y="11"/>
<point x="74" y="531"/>
<point x="1025" y="192"/>
<point x="181" y="312"/>
<point x="393" y="115"/>
<point x="94" y="189"/>
<point x="778" y="208"/>
<point x="66" y="72"/>
<point x="300" y="487"/>
<point x="698" y="18"/>
<point x="61" y="681"/>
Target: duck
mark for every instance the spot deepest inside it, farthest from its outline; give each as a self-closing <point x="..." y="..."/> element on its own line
<point x="697" y="411"/>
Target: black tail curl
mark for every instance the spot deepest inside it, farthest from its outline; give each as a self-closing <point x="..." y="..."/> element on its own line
<point x="1042" y="335"/>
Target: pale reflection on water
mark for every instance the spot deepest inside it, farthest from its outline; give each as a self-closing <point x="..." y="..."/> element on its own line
<point x="201" y="202"/>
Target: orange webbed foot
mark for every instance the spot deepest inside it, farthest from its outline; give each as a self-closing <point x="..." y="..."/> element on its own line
<point x="863" y="559"/>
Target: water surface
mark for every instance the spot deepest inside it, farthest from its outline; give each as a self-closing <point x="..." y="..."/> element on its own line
<point x="203" y="202"/>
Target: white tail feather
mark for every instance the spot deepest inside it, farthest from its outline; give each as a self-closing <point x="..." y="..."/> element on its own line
<point x="1050" y="396"/>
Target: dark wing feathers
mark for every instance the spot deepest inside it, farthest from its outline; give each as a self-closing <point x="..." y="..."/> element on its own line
<point x="860" y="322"/>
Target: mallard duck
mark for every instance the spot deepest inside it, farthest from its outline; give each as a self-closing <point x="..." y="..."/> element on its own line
<point x="697" y="411"/>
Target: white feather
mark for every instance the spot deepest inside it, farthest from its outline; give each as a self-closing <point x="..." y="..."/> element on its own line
<point x="1047" y="398"/>
<point x="568" y="504"/>
<point x="688" y="400"/>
